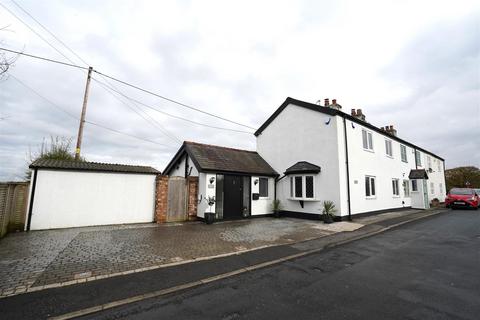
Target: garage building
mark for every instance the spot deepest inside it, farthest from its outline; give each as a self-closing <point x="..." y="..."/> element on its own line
<point x="65" y="194"/>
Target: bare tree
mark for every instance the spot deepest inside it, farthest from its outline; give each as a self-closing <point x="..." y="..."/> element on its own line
<point x="6" y="62"/>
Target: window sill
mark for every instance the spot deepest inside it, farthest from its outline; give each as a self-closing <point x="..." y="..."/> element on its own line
<point x="303" y="199"/>
<point x="395" y="196"/>
<point x="404" y="161"/>
<point x="369" y="150"/>
<point x="263" y="198"/>
<point x="371" y="198"/>
<point x="389" y="156"/>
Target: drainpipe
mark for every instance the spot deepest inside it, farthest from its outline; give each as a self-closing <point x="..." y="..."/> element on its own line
<point x="415" y="153"/>
<point x="275" y="189"/>
<point x="30" y="208"/>
<point x="348" y="169"/>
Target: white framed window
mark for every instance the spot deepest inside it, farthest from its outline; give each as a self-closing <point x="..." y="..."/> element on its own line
<point x="302" y="187"/>
<point x="403" y="153"/>
<point x="406" y="189"/>
<point x="388" y="148"/>
<point x="432" y="188"/>
<point x="418" y="158"/>
<point x="395" y="189"/>
<point x="439" y="164"/>
<point x="440" y="188"/>
<point x="370" y="191"/>
<point x="414" y="186"/>
<point x="429" y="162"/>
<point x="367" y="139"/>
<point x="263" y="187"/>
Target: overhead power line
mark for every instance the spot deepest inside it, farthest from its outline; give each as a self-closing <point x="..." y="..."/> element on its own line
<point x="77" y="119"/>
<point x="43" y="58"/>
<point x="133" y="86"/>
<point x="49" y="32"/>
<point x="172" y="100"/>
<point x="35" y="32"/>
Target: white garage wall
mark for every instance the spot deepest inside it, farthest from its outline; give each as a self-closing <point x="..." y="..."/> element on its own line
<point x="66" y="199"/>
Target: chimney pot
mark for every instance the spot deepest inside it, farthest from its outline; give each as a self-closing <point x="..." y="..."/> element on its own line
<point x="353" y="113"/>
<point x="359" y="112"/>
<point x="327" y="102"/>
<point x="334" y="101"/>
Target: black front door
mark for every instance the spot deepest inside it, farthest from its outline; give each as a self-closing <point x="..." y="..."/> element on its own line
<point x="233" y="197"/>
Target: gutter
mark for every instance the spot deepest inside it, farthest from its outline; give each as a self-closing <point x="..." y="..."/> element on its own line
<point x="32" y="197"/>
<point x="348" y="169"/>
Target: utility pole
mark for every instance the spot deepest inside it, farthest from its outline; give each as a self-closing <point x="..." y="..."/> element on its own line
<point x="82" y="117"/>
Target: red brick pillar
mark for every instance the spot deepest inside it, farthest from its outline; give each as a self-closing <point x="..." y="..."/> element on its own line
<point x="192" y="197"/>
<point x="161" y="199"/>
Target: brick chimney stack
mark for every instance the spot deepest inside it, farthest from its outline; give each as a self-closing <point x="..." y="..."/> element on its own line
<point x="358" y="114"/>
<point x="391" y="130"/>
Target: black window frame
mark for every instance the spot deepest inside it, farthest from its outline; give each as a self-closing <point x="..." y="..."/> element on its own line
<point x="263" y="181"/>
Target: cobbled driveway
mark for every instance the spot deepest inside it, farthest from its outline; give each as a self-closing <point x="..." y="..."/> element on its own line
<point x="41" y="259"/>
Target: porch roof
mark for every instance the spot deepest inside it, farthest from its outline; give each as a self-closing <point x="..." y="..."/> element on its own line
<point x="418" y="174"/>
<point x="210" y="158"/>
<point x="303" y="167"/>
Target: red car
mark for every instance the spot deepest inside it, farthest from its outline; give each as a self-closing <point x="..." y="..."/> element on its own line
<point x="462" y="197"/>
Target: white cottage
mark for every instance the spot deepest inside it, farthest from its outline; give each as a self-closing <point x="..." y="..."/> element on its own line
<point x="306" y="154"/>
<point x="241" y="183"/>
<point x="342" y="158"/>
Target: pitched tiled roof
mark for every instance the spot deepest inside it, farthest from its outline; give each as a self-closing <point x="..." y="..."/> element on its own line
<point x="303" y="167"/>
<point x="418" y="174"/>
<point x="90" y="166"/>
<point x="212" y="158"/>
<point x="334" y="112"/>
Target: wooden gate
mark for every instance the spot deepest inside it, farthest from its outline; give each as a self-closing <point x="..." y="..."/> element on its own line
<point x="13" y="206"/>
<point x="177" y="200"/>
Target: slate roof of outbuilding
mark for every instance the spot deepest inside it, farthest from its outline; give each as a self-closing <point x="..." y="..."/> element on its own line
<point x="418" y="174"/>
<point x="303" y="167"/>
<point x="210" y="158"/>
<point x="90" y="166"/>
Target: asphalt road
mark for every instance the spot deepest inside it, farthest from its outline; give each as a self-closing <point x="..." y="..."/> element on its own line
<point x="429" y="269"/>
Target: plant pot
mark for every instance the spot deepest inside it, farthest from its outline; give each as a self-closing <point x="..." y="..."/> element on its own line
<point x="276" y="214"/>
<point x="209" y="217"/>
<point x="327" y="219"/>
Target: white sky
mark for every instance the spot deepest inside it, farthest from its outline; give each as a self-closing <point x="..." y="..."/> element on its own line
<point x="413" y="64"/>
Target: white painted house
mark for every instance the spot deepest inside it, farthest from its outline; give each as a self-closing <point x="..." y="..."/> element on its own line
<point x="240" y="181"/>
<point x="66" y="194"/>
<point x="306" y="154"/>
<point x="363" y="168"/>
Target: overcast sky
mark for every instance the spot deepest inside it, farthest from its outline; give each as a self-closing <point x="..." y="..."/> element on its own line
<point x="412" y="64"/>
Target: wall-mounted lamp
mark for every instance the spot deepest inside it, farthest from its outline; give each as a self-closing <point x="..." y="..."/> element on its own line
<point x="212" y="180"/>
<point x="255" y="182"/>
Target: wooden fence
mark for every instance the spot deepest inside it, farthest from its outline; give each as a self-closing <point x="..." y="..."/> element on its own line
<point x="176" y="199"/>
<point x="13" y="206"/>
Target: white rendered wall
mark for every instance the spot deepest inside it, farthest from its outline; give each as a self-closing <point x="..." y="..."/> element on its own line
<point x="179" y="170"/>
<point x="376" y="163"/>
<point x="263" y="204"/>
<point x="436" y="176"/>
<point x="299" y="134"/>
<point x="205" y="190"/>
<point x="66" y="199"/>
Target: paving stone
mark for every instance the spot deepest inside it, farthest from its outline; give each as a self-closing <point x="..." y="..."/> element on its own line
<point x="41" y="258"/>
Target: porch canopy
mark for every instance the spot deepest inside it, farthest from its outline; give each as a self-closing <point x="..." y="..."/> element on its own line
<point x="418" y="174"/>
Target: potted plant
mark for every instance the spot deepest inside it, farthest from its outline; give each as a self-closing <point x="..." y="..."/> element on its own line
<point x="210" y="216"/>
<point x="328" y="211"/>
<point x="276" y="208"/>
